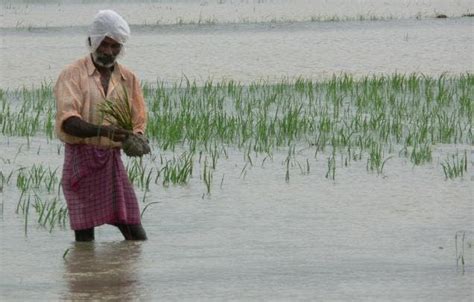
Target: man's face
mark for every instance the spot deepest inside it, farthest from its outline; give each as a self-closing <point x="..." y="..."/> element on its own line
<point x="107" y="52"/>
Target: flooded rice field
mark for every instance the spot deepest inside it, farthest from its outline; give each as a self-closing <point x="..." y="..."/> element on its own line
<point x="361" y="237"/>
<point x="299" y="152"/>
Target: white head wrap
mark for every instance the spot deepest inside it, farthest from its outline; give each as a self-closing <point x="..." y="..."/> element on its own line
<point x="108" y="23"/>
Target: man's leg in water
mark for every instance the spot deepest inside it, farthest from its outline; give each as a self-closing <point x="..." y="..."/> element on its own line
<point x="132" y="231"/>
<point x="84" y="235"/>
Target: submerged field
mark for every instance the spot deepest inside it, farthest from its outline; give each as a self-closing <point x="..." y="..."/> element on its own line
<point x="343" y="189"/>
<point x="305" y="127"/>
<point x="345" y="174"/>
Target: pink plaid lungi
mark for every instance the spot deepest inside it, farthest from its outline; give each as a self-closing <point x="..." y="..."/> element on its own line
<point x="97" y="188"/>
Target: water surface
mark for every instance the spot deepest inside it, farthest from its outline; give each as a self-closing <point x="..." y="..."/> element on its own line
<point x="361" y="237"/>
<point x="245" y="51"/>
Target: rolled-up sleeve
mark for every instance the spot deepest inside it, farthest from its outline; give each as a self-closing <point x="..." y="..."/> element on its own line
<point x="139" y="112"/>
<point x="67" y="92"/>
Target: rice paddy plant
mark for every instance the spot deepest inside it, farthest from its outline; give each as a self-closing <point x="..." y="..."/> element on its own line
<point x="420" y="153"/>
<point x="49" y="124"/>
<point x="37" y="176"/>
<point x="376" y="160"/>
<point x="207" y="176"/>
<point x="23" y="110"/>
<point x="50" y="212"/>
<point x="5" y="179"/>
<point x="455" y="166"/>
<point x="23" y="206"/>
<point x="27" y="209"/>
<point x="331" y="172"/>
<point x="463" y="241"/>
<point x="287" y="163"/>
<point x="147" y="206"/>
<point x="118" y="111"/>
<point x="138" y="173"/>
<point x="177" y="170"/>
<point x="214" y="154"/>
<point x="36" y="185"/>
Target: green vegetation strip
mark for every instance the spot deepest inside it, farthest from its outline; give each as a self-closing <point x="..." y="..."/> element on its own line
<point x="373" y="115"/>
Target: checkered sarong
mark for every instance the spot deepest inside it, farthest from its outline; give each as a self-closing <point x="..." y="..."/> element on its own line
<point x="97" y="188"/>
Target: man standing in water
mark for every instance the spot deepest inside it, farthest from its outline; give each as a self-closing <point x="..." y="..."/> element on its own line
<point x="94" y="180"/>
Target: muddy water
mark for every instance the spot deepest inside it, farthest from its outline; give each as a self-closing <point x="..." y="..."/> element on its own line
<point x="361" y="237"/>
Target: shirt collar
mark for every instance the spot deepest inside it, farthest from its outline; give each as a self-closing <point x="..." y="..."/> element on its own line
<point x="91" y="68"/>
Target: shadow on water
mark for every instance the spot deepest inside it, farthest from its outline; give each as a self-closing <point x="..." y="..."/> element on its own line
<point x="102" y="271"/>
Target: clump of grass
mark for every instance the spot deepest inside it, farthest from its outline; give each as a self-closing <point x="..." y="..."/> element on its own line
<point x="455" y="166"/>
<point x="139" y="174"/>
<point x="35" y="177"/>
<point x="50" y="212"/>
<point x="176" y="171"/>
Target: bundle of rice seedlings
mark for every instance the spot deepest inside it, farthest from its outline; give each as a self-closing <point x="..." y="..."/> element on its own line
<point x="118" y="112"/>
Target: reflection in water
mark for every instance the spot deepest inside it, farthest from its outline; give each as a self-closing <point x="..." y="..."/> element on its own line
<point x="103" y="271"/>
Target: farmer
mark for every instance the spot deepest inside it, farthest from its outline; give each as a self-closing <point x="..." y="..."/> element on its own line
<point x="94" y="180"/>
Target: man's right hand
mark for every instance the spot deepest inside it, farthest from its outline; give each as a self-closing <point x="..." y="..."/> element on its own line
<point x="115" y="133"/>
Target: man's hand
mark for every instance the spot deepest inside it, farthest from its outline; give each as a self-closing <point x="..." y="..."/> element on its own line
<point x="115" y="133"/>
<point x="136" y="145"/>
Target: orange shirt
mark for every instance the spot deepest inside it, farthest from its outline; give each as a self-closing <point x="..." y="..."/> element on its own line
<point x="78" y="91"/>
